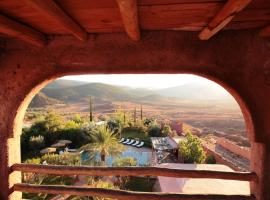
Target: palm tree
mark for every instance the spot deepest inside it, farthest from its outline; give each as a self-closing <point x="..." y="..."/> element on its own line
<point x="104" y="142"/>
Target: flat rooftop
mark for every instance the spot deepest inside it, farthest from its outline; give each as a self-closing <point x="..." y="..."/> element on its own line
<point x="202" y="186"/>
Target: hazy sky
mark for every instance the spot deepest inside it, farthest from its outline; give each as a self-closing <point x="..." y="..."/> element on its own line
<point x="153" y="81"/>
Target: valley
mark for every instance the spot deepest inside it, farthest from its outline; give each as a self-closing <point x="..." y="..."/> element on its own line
<point x="215" y="114"/>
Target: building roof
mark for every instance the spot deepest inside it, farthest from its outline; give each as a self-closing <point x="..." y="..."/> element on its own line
<point x="163" y="143"/>
<point x="202" y="186"/>
<point x="34" y="20"/>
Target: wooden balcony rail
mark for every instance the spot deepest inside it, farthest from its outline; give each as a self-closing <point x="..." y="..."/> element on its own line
<point x="121" y="194"/>
<point x="133" y="171"/>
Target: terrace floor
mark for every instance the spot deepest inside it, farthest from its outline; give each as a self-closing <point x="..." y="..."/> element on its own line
<point x="199" y="186"/>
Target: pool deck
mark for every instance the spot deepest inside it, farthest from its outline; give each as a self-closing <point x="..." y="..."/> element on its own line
<point x="142" y="149"/>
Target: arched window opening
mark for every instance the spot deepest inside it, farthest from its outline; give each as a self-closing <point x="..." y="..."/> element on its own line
<point x="172" y="121"/>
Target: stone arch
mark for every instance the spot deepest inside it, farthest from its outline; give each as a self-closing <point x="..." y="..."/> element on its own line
<point x="239" y="67"/>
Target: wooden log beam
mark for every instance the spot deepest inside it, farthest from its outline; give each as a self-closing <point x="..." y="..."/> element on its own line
<point x="133" y="171"/>
<point x="121" y="194"/>
<point x="18" y="30"/>
<point x="223" y="17"/>
<point x="129" y="13"/>
<point x="51" y="9"/>
<point x="265" y="32"/>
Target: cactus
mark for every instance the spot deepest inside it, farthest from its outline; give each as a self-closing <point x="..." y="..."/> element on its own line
<point x="141" y="114"/>
<point x="90" y="109"/>
<point x="124" y="117"/>
<point x="135" y="116"/>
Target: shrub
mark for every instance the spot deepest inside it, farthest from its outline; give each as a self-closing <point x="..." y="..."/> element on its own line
<point x="210" y="160"/>
<point x="148" y="121"/>
<point x="166" y="131"/>
<point x="142" y="184"/>
<point x="114" y="125"/>
<point x="77" y="119"/>
<point x="56" y="159"/>
<point x="63" y="159"/>
<point x="53" y="122"/>
<point x="122" y="162"/>
<point x="33" y="161"/>
<point x="71" y="125"/>
<point x="36" y="142"/>
<point x="154" y="131"/>
<point x="191" y="150"/>
<point x="139" y="129"/>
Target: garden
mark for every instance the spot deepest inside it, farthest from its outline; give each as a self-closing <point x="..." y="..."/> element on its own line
<point x="97" y="144"/>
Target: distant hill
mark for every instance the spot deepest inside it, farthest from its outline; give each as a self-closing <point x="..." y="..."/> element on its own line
<point x="197" y="92"/>
<point x="73" y="91"/>
<point x="62" y="83"/>
<point x="76" y="93"/>
<point x="41" y="100"/>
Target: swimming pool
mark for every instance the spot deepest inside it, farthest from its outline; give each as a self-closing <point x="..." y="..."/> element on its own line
<point x="142" y="157"/>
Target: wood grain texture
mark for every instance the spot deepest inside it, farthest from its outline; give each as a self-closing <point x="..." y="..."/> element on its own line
<point x="133" y="171"/>
<point x="122" y="194"/>
<point x="103" y="16"/>
<point x="265" y="32"/>
<point x="52" y="10"/>
<point x="15" y="29"/>
<point x="129" y="13"/>
<point x="223" y="17"/>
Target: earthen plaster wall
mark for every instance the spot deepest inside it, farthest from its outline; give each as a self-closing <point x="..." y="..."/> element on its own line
<point x="239" y="61"/>
<point x="234" y="148"/>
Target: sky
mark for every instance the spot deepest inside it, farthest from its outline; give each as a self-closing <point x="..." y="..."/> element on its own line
<point x="150" y="81"/>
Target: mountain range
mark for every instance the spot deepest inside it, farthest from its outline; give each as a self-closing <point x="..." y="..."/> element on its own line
<point x="68" y="91"/>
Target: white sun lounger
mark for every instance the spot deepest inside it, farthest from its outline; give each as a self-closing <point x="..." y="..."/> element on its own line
<point x="122" y="140"/>
<point x="140" y="145"/>
<point x="136" y="143"/>
<point x="128" y="140"/>
<point x="131" y="141"/>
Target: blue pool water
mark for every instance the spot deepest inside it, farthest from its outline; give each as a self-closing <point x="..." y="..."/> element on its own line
<point x="142" y="158"/>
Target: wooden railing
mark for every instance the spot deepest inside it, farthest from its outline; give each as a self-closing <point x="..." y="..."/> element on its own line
<point x="128" y="171"/>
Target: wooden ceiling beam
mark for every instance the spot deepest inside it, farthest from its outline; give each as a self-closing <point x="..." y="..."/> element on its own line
<point x="129" y="13"/>
<point x="18" y="30"/>
<point x="223" y="17"/>
<point x="265" y="32"/>
<point x="51" y="9"/>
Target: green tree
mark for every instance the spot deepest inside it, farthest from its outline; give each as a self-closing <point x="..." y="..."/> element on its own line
<point x="114" y="125"/>
<point x="119" y="115"/>
<point x="148" y="121"/>
<point x="166" y="131"/>
<point x="154" y="130"/>
<point x="104" y="142"/>
<point x="53" y="122"/>
<point x="191" y="150"/>
<point x="77" y="119"/>
<point x="122" y="117"/>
